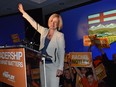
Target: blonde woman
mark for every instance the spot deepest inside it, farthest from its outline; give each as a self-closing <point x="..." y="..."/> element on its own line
<point x="52" y="43"/>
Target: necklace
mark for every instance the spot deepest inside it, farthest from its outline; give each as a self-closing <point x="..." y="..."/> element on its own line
<point x="49" y="36"/>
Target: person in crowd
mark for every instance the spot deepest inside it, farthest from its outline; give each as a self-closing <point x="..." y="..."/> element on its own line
<point x="69" y="78"/>
<point x="83" y="71"/>
<point x="90" y="78"/>
<point x="102" y="83"/>
<point x="52" y="44"/>
<point x="110" y="68"/>
<point x="68" y="81"/>
<point x="70" y="75"/>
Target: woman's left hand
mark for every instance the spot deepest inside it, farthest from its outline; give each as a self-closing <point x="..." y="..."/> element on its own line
<point x="59" y="72"/>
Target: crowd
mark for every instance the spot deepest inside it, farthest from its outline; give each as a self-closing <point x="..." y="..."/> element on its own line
<point x="86" y="76"/>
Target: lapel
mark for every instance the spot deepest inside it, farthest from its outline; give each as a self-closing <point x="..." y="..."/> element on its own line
<point x="53" y="40"/>
<point x="43" y="36"/>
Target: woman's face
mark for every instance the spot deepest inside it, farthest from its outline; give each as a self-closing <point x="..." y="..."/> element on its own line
<point x="54" y="23"/>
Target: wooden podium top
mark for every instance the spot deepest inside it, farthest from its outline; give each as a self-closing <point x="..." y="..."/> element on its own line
<point x="19" y="46"/>
<point x="29" y="52"/>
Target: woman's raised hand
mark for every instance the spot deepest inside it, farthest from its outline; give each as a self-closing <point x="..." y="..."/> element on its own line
<point x="20" y="7"/>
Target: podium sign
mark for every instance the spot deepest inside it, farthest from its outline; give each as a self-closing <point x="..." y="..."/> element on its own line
<point x="12" y="67"/>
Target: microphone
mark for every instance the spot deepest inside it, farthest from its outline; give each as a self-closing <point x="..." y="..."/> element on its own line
<point x="32" y="43"/>
<point x="34" y="33"/>
<point x="34" y="36"/>
<point x="25" y="41"/>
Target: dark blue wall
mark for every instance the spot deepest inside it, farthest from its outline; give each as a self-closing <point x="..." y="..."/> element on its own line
<point x="13" y="24"/>
<point x="76" y="26"/>
<point x="16" y="24"/>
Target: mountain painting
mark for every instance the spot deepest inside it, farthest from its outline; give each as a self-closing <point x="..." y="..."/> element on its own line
<point x="103" y="25"/>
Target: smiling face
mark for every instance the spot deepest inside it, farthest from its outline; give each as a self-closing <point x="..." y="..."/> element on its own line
<point x="53" y="23"/>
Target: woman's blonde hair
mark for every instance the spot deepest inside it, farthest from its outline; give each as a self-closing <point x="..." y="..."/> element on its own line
<point x="60" y="24"/>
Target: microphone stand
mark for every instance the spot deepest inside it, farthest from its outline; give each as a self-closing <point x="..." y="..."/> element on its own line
<point x="32" y="43"/>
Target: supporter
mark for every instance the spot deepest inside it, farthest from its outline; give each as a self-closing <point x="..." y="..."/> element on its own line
<point x="90" y="79"/>
<point x="110" y="68"/>
<point x="69" y="75"/>
<point x="83" y="71"/>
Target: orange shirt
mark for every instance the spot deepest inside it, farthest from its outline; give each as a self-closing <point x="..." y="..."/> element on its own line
<point x="86" y="84"/>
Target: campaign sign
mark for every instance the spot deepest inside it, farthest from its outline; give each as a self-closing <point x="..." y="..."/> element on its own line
<point x="102" y="42"/>
<point x="99" y="42"/>
<point x="100" y="71"/>
<point x="88" y="40"/>
<point x="81" y="59"/>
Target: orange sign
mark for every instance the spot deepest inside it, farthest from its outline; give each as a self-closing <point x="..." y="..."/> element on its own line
<point x="88" y="40"/>
<point x="12" y="67"/>
<point x="100" y="72"/>
<point x="66" y="57"/>
<point x="93" y="40"/>
<point x="81" y="59"/>
<point x="15" y="38"/>
<point x="102" y="42"/>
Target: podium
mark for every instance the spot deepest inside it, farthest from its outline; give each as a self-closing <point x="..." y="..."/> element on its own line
<point x="19" y="66"/>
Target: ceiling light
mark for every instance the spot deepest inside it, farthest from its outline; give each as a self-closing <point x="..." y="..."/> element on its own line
<point x="38" y="1"/>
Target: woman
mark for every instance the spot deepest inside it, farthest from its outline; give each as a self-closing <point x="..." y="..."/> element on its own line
<point x="51" y="43"/>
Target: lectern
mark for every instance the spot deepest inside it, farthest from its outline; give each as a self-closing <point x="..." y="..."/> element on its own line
<point x="19" y="66"/>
